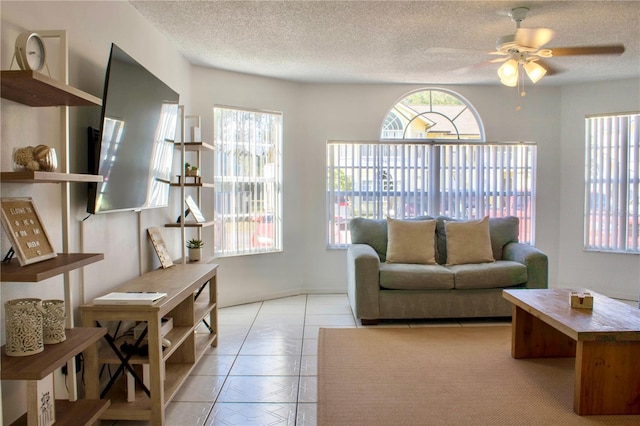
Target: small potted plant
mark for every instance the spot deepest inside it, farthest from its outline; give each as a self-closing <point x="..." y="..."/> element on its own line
<point x="193" y="171"/>
<point x="195" y="249"/>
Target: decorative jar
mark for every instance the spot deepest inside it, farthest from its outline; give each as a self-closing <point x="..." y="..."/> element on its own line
<point x="53" y="321"/>
<point x="23" y="325"/>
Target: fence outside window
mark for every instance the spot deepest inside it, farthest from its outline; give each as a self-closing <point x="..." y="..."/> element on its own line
<point x="414" y="178"/>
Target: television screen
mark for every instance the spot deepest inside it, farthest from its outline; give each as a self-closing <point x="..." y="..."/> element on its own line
<point x="133" y="150"/>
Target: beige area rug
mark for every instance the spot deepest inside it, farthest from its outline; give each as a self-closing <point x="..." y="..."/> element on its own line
<point x="442" y="376"/>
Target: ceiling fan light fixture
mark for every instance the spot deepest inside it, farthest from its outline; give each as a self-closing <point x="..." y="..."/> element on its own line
<point x="535" y="71"/>
<point x="508" y="73"/>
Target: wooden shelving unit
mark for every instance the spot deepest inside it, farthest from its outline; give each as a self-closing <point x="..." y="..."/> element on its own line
<point x="168" y="369"/>
<point x="186" y="187"/>
<point x="38" y="90"/>
<point x="35" y="89"/>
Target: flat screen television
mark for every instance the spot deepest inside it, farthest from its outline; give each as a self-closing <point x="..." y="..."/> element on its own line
<point x="133" y="149"/>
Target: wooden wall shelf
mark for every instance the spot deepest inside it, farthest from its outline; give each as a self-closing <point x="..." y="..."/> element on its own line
<point x="194" y="146"/>
<point x="38" y="90"/>
<point x="46" y="177"/>
<point x="190" y="224"/>
<point x="39" y="366"/>
<point x="64" y="262"/>
<point x="83" y="412"/>
<point x="194" y="185"/>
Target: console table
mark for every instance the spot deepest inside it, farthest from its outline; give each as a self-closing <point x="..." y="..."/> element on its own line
<point x="191" y="302"/>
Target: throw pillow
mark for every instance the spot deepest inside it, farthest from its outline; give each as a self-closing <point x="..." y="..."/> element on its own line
<point x="411" y="241"/>
<point x="468" y="242"/>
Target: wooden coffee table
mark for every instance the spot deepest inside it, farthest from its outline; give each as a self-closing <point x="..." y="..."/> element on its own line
<point x="605" y="342"/>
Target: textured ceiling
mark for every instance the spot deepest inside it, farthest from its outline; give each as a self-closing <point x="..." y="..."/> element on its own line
<point x="435" y="42"/>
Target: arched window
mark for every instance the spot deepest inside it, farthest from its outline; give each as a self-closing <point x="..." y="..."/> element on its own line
<point x="433" y="114"/>
<point x="432" y="160"/>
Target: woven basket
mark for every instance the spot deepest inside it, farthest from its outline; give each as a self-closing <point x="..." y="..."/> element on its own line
<point x="23" y="324"/>
<point x="53" y="321"/>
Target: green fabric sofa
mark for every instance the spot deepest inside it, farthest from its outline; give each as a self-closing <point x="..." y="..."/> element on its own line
<point x="380" y="290"/>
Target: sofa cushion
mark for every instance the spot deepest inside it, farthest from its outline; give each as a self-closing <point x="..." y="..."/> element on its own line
<point x="372" y="232"/>
<point x="411" y="241"/>
<point x="468" y="242"/>
<point x="498" y="274"/>
<point x="503" y="230"/>
<point x="404" y="276"/>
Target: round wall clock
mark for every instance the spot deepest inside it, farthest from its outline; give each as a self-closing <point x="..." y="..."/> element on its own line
<point x="30" y="51"/>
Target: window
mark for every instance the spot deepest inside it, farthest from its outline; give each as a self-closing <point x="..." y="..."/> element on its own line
<point x="404" y="180"/>
<point x="435" y="114"/>
<point x="452" y="173"/>
<point x="248" y="180"/>
<point x="612" y="183"/>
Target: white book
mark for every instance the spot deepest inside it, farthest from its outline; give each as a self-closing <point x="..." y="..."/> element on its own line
<point x="129" y="298"/>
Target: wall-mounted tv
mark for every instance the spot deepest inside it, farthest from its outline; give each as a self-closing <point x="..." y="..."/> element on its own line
<point x="133" y="149"/>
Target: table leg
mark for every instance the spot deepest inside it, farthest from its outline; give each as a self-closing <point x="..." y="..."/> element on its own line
<point x="533" y="338"/>
<point x="607" y="378"/>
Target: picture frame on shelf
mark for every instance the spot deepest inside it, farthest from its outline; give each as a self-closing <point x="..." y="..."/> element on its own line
<point x="25" y="230"/>
<point x="194" y="209"/>
<point x="160" y="247"/>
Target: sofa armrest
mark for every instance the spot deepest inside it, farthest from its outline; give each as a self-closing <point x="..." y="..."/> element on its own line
<point x="363" y="280"/>
<point x="536" y="262"/>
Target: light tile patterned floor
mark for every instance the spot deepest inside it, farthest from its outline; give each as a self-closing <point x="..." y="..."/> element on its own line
<point x="264" y="370"/>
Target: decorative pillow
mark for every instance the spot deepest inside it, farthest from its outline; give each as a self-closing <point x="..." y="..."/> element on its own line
<point x="468" y="242"/>
<point x="411" y="241"/>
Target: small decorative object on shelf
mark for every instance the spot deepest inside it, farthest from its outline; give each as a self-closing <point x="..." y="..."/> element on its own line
<point x="581" y="300"/>
<point x="43" y="401"/>
<point x="39" y="158"/>
<point x="194" y="209"/>
<point x="30" y="51"/>
<point x="53" y="321"/>
<point x="195" y="249"/>
<point x="25" y="230"/>
<point x="24" y="325"/>
<point x="161" y="248"/>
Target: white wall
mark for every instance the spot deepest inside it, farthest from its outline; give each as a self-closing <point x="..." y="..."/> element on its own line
<point x="616" y="275"/>
<point x="315" y="113"/>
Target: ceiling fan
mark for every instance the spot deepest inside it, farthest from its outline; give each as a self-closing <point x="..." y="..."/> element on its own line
<point x="524" y="50"/>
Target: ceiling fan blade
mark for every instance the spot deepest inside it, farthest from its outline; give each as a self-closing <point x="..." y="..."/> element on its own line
<point x="611" y="49"/>
<point x="533" y="37"/>
<point x="470" y="68"/>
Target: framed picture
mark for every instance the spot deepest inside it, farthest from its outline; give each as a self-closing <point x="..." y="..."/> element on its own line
<point x="194" y="209"/>
<point x="25" y="230"/>
<point x="161" y="248"/>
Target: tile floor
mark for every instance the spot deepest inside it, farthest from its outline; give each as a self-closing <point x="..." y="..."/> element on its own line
<point x="264" y="370"/>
